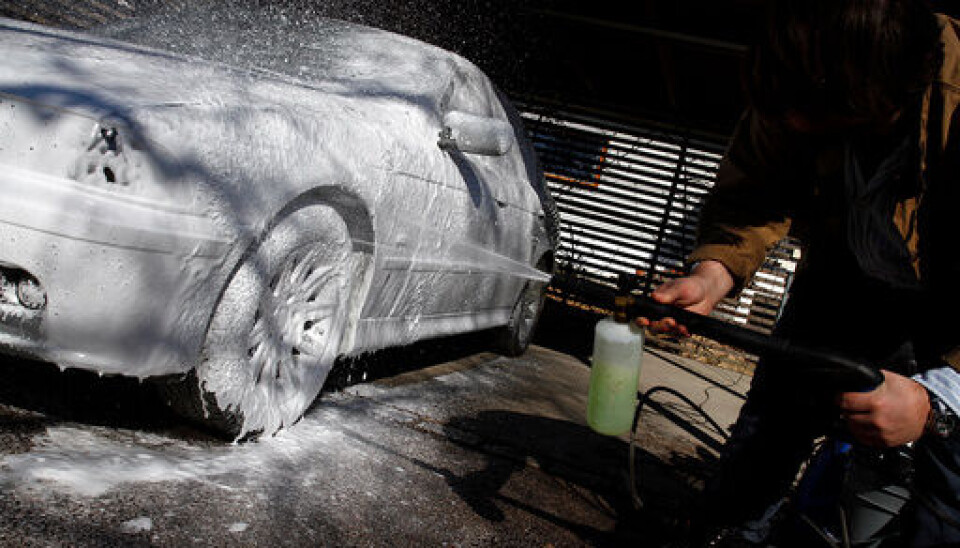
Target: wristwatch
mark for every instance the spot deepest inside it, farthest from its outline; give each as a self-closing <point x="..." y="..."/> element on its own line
<point x="941" y="422"/>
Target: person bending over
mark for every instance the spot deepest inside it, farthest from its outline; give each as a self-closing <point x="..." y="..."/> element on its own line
<point x="851" y="142"/>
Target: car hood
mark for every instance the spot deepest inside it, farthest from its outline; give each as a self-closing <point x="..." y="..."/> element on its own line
<point x="102" y="76"/>
<point x="190" y="119"/>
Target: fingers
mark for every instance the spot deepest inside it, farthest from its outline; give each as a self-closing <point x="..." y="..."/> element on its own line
<point x="682" y="292"/>
<point x="852" y="403"/>
<point x="665" y="326"/>
<point x="859" y="410"/>
<point x="893" y="414"/>
<point x="863" y="429"/>
<point x="666" y="293"/>
<point x="670" y="325"/>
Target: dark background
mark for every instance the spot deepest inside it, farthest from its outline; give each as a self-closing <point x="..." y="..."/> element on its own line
<point x="674" y="62"/>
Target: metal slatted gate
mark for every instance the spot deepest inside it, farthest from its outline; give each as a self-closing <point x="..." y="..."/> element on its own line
<point x="629" y="200"/>
<point x="629" y="197"/>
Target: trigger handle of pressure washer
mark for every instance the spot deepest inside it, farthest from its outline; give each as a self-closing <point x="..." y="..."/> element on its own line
<point x="848" y="374"/>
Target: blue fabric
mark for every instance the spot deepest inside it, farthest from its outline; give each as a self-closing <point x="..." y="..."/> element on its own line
<point x="933" y="516"/>
<point x="944" y="382"/>
<point x="774" y="434"/>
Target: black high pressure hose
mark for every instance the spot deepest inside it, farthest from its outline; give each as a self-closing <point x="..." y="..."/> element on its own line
<point x="846" y="374"/>
<point x="642" y="399"/>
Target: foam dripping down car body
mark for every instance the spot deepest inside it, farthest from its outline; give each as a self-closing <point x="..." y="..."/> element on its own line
<point x="243" y="220"/>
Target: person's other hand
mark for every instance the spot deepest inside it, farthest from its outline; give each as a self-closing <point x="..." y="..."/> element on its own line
<point x="892" y="414"/>
<point x="699" y="292"/>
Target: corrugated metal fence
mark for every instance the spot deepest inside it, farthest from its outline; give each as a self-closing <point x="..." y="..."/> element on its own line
<point x="630" y="199"/>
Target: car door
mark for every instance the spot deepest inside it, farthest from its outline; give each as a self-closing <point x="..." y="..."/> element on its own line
<point x="450" y="256"/>
<point x="437" y="232"/>
<point x="512" y="181"/>
<point x="496" y="170"/>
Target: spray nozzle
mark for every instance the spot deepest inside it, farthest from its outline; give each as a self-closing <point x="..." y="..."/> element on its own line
<point x="621" y="306"/>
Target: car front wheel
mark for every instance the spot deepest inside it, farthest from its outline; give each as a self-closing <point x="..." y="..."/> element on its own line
<point x="276" y="331"/>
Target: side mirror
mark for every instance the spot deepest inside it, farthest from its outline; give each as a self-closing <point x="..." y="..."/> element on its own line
<point x="472" y="134"/>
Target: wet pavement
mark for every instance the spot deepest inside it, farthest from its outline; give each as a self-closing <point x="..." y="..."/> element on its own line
<point x="441" y="444"/>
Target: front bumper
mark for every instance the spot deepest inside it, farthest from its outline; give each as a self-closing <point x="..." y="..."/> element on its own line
<point x="125" y="278"/>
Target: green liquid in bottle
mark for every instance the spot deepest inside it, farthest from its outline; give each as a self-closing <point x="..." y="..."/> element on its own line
<point x="612" y="398"/>
<point x="614" y="377"/>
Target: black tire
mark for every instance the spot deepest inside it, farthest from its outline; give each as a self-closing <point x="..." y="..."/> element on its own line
<point x="276" y="330"/>
<point x="514" y="338"/>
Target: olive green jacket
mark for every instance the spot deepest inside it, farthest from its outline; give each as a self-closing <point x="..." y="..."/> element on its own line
<point x="769" y="177"/>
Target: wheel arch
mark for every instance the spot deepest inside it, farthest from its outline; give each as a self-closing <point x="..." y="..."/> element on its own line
<point x="348" y="204"/>
<point x="357" y="217"/>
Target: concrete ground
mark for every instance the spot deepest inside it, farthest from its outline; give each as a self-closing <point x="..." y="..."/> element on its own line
<point x="441" y="444"/>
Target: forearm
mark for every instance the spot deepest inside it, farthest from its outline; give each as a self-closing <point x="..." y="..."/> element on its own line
<point x="746" y="212"/>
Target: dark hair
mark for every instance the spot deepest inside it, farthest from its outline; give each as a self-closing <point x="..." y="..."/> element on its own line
<point x="845" y="57"/>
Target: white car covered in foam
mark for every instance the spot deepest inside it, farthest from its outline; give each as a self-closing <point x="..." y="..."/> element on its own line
<point x="242" y="221"/>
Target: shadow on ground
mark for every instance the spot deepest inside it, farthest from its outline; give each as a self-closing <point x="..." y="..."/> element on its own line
<point x="594" y="469"/>
<point x="44" y="394"/>
<point x="394" y="361"/>
<point x="81" y="396"/>
<point x="567" y="329"/>
<point x="562" y="328"/>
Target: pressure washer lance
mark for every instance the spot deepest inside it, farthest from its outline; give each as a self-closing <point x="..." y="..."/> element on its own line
<point x="618" y="347"/>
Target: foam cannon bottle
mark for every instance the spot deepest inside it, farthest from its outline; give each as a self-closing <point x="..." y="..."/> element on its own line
<point x="615" y="373"/>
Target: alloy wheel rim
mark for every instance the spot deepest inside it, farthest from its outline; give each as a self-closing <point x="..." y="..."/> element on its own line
<point x="293" y="323"/>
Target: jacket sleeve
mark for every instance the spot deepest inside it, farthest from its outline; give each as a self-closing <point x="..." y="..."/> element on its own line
<point x="746" y="212"/>
<point x="945" y="383"/>
<point x="952" y="357"/>
<point x="939" y="237"/>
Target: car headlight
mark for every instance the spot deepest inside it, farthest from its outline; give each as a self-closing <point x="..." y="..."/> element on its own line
<point x="18" y="287"/>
